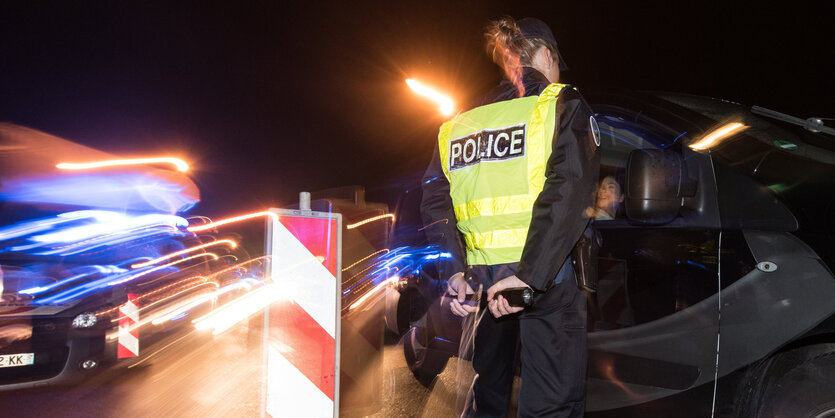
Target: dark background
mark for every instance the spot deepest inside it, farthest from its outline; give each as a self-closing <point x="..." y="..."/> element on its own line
<point x="266" y="99"/>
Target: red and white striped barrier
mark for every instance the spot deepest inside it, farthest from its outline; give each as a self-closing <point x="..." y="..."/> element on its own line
<point x="302" y="341"/>
<point x="128" y="336"/>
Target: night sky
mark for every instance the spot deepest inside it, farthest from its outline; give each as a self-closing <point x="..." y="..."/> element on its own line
<point x="266" y="99"/>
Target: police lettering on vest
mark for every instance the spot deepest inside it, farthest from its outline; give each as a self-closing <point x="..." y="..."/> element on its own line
<point x="487" y="145"/>
<point x="493" y="214"/>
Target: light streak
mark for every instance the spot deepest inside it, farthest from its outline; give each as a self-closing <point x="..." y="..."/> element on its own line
<point x="140" y="190"/>
<point x="149" y="294"/>
<point x="189" y="305"/>
<point x="231" y="243"/>
<point x="385" y="250"/>
<point x="96" y="269"/>
<point x="239" y="309"/>
<point x="222" y="222"/>
<point x="108" y="224"/>
<point x="157" y="268"/>
<point x="89" y="287"/>
<point x="718" y="135"/>
<point x="444" y="101"/>
<point x="445" y="221"/>
<point x="443" y="255"/>
<point x="38" y="225"/>
<point x="250" y="283"/>
<point x="369" y="220"/>
<point x="79" y="231"/>
<point x="178" y="163"/>
<point x="240" y="265"/>
<point x="104" y="240"/>
<point x="203" y="282"/>
<point x="609" y="372"/>
<point x="404" y="261"/>
<point x="14" y="332"/>
<point x="378" y="262"/>
<point x="382" y="284"/>
<point x="150" y="317"/>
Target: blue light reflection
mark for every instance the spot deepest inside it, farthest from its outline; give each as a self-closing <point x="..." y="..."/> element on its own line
<point x="401" y="261"/>
<point x="52" y="261"/>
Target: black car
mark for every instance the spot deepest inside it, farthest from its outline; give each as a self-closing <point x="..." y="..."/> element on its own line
<point x="97" y="267"/>
<point x="100" y="269"/>
<point x="77" y="304"/>
<point x="726" y="229"/>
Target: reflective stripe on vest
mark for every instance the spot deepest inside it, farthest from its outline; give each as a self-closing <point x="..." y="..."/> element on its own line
<point x="494" y="157"/>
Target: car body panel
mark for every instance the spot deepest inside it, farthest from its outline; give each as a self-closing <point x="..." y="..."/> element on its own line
<point x="683" y="303"/>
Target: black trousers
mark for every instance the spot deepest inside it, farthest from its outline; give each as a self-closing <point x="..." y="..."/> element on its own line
<point x="494" y="349"/>
<point x="553" y="352"/>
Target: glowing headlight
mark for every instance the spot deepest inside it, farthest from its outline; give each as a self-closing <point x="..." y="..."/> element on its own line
<point x="84" y="320"/>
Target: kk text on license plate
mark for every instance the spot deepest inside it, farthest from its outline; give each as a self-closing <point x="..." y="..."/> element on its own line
<point x="14" y="360"/>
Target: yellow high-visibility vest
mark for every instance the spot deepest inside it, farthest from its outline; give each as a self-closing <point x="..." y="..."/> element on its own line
<point x="495" y="158"/>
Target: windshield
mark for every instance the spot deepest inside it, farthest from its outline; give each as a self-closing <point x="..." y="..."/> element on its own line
<point x="774" y="133"/>
<point x="794" y="164"/>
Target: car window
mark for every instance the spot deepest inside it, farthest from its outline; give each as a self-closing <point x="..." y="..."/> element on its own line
<point x="620" y="134"/>
<point x="644" y="272"/>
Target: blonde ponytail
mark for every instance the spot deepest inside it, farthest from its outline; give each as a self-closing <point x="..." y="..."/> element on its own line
<point x="510" y="50"/>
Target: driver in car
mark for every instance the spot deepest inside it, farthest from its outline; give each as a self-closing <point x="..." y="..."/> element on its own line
<point x="608" y="200"/>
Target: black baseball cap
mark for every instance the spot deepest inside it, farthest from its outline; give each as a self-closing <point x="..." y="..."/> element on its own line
<point x="533" y="28"/>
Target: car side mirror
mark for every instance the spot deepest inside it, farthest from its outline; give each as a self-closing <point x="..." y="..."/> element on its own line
<point x="656" y="183"/>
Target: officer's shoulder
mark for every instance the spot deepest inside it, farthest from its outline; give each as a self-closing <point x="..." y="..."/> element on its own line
<point x="570" y="96"/>
<point x="570" y="91"/>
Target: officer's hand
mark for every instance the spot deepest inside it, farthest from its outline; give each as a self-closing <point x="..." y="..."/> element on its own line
<point x="458" y="287"/>
<point x="498" y="305"/>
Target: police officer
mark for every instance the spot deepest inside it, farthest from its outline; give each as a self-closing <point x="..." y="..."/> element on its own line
<point x="505" y="194"/>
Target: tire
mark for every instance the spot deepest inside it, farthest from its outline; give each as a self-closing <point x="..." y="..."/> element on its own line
<point x="410" y="308"/>
<point x="424" y="361"/>
<point x="807" y="390"/>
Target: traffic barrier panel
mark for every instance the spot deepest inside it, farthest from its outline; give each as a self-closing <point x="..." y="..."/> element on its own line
<point x="128" y="335"/>
<point x="303" y="327"/>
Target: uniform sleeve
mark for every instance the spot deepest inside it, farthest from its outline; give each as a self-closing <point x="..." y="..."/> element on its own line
<point x="439" y="218"/>
<point x="571" y="178"/>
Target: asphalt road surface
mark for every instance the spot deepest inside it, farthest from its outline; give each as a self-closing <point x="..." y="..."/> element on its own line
<point x="192" y="377"/>
<point x="223" y="377"/>
<point x="220" y="377"/>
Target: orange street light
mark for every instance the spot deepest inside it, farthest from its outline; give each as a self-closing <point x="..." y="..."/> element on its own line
<point x="447" y="106"/>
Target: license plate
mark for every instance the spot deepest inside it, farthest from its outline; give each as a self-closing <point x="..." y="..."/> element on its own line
<point x="15" y="360"/>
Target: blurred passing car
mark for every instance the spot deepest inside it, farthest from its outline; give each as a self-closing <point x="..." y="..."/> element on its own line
<point x="97" y="266"/>
<point x="726" y="226"/>
<point x="101" y="269"/>
<point x="74" y="302"/>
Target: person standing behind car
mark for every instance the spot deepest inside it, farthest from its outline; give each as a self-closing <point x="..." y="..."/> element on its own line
<point x="516" y="173"/>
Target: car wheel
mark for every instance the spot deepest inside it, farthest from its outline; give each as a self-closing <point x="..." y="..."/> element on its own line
<point x="804" y="391"/>
<point x="410" y="308"/>
<point x="424" y="361"/>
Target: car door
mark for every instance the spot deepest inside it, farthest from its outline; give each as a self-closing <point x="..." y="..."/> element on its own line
<point x="653" y="323"/>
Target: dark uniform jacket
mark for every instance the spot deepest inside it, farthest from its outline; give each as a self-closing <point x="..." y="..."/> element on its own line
<point x="557" y="220"/>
